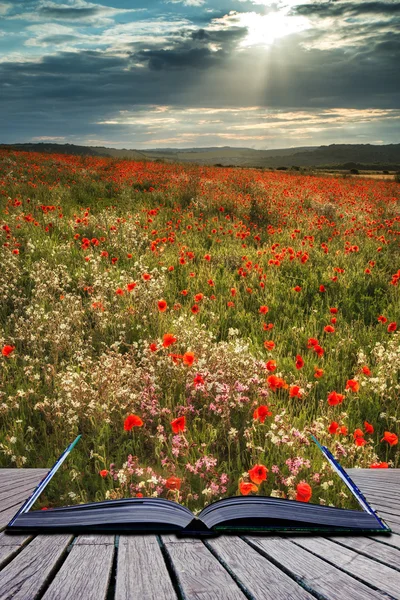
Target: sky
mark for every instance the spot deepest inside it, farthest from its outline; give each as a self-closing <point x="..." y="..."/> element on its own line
<point x="198" y="73"/>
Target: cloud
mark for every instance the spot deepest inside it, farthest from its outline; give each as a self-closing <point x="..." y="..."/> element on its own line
<point x="75" y="11"/>
<point x="340" y="9"/>
<point x="186" y="2"/>
<point x="4" y="7"/>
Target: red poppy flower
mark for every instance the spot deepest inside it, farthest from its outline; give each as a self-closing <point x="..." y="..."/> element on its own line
<point x="131" y="286"/>
<point x="195" y="309"/>
<point x="173" y="483"/>
<point x="210" y="282"/>
<point x="379" y="465"/>
<point x="269" y="345"/>
<point x="162" y="305"/>
<point x="168" y="340"/>
<point x="358" y="433"/>
<point x="119" y="292"/>
<point x="343" y="430"/>
<point x="299" y="362"/>
<point x="230" y="304"/>
<point x="318" y="350"/>
<point x="198" y="380"/>
<point x="390" y="438"/>
<point x="329" y="329"/>
<point x="392" y="327"/>
<point x="333" y="311"/>
<point x="207" y="257"/>
<point x="258" y="474"/>
<point x="233" y="292"/>
<point x="188" y="358"/>
<point x="275" y="382"/>
<point x="312" y="342"/>
<point x="146" y="276"/>
<point x="333" y="427"/>
<point x="7" y="349"/>
<point x="297" y="288"/>
<point x="353" y="385"/>
<point x="359" y="441"/>
<point x="322" y="288"/>
<point x="178" y="424"/>
<point x="132" y="421"/>
<point x="366" y="371"/>
<point x="261" y="413"/>
<point x="304" y="492"/>
<point x="175" y="358"/>
<point x="103" y="473"/>
<point x="318" y="372"/>
<point x="263" y="310"/>
<point x="368" y="427"/>
<point x="295" y="392"/>
<point x="334" y="398"/>
<point x="247" y="488"/>
<point x="271" y="365"/>
<point x="198" y="297"/>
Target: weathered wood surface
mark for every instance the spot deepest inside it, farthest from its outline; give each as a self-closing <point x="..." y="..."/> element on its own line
<point x="107" y="567"/>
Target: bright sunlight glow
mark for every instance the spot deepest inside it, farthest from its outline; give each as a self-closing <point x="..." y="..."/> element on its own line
<point x="264" y="30"/>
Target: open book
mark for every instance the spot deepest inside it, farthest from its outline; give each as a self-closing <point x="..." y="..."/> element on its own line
<point x="239" y="514"/>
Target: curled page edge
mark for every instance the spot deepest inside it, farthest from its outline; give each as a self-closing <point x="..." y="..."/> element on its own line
<point x="40" y="487"/>
<point x="344" y="476"/>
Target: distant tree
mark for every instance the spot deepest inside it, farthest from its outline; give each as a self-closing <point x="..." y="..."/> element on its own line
<point x="354" y="171"/>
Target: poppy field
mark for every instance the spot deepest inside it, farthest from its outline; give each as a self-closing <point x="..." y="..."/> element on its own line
<point x="196" y="325"/>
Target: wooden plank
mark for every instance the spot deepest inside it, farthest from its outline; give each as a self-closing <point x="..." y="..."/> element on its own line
<point x="368" y="571"/>
<point x="258" y="576"/>
<point x="6" y="479"/>
<point x="370" y="473"/>
<point x="7" y="515"/>
<point x="10" y="545"/>
<point x="392" y="540"/>
<point x="199" y="573"/>
<point x="12" y="488"/>
<point x="371" y="548"/>
<point x="95" y="539"/>
<point x="318" y="576"/>
<point x="28" y="573"/>
<point x="141" y="570"/>
<point x="17" y="489"/>
<point x="389" y="516"/>
<point x="17" y="497"/>
<point x="378" y="504"/>
<point x="5" y="471"/>
<point x="84" y="574"/>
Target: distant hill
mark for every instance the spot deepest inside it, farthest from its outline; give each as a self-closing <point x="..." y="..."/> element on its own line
<point x="76" y="150"/>
<point x="339" y="156"/>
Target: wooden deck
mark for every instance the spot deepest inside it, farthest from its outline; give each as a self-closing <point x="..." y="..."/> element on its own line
<point x="106" y="567"/>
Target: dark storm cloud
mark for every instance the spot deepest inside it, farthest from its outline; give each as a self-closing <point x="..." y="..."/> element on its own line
<point x="199" y="49"/>
<point x="68" y="13"/>
<point x="340" y="9"/>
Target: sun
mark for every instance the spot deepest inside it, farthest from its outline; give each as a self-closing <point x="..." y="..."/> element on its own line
<point x="264" y="30"/>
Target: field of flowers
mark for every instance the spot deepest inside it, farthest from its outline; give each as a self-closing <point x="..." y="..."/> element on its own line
<point x="195" y="325"/>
